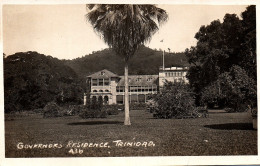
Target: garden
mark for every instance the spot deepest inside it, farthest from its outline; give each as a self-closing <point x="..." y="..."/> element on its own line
<point x="221" y="133"/>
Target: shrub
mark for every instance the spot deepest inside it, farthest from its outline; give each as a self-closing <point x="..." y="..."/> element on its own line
<point x="38" y="110"/>
<point x="200" y="112"/>
<point x="137" y="106"/>
<point x="229" y="110"/>
<point x="52" y="110"/>
<point x="174" y="100"/>
<point x="71" y="110"/>
<point x="92" y="113"/>
<point x="113" y="109"/>
<point x="254" y="112"/>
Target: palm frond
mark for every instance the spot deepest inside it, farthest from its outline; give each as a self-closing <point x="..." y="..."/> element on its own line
<point x="126" y="27"/>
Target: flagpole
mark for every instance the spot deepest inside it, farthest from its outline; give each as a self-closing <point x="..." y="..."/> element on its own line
<point x="163" y="55"/>
<point x="163" y="59"/>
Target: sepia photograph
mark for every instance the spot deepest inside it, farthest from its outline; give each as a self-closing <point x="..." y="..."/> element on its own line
<point x="115" y="80"/>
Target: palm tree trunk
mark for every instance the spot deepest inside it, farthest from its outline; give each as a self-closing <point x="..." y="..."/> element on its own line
<point x="127" y="117"/>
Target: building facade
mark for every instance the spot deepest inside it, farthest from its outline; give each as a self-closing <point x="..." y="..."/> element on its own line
<point x="172" y="74"/>
<point x="109" y="86"/>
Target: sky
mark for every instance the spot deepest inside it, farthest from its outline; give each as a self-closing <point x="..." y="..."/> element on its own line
<point x="63" y="32"/>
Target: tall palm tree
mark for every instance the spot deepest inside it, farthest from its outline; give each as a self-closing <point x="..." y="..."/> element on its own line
<point x="124" y="28"/>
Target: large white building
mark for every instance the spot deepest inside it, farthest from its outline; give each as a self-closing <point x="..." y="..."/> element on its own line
<point x="110" y="87"/>
<point x="172" y="74"/>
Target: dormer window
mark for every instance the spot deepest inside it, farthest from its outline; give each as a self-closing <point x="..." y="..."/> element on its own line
<point x="138" y="79"/>
<point x="102" y="73"/>
<point x="149" y="79"/>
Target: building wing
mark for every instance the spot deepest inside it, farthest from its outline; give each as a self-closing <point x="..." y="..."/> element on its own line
<point x="139" y="80"/>
<point x="103" y="74"/>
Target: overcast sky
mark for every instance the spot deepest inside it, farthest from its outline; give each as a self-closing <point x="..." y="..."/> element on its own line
<point x="62" y="31"/>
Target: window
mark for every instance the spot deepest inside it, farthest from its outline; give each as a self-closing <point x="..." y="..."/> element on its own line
<point x="119" y="89"/>
<point x="106" y="82"/>
<point x="100" y="90"/>
<point x="139" y="89"/>
<point x="154" y="88"/>
<point x="149" y="79"/>
<point x="100" y="82"/>
<point x="138" y="79"/>
<point x="146" y="88"/>
<point x="106" y="90"/>
<point x="94" y="82"/>
<point x="119" y="99"/>
<point x="106" y="100"/>
<point x="94" y="90"/>
<point x="102" y="73"/>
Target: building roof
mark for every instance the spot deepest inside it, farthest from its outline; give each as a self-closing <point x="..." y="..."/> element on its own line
<point x="173" y="68"/>
<point x="140" y="80"/>
<point x="102" y="74"/>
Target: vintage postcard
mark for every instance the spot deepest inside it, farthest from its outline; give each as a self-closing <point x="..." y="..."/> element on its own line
<point x="112" y="83"/>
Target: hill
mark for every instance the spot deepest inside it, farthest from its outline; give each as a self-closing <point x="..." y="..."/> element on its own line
<point x="32" y="79"/>
<point x="145" y="61"/>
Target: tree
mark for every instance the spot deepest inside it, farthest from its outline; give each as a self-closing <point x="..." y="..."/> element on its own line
<point x="175" y="99"/>
<point x="31" y="80"/>
<point x="234" y="89"/>
<point x="124" y="28"/>
<point x="248" y="47"/>
<point x="220" y="46"/>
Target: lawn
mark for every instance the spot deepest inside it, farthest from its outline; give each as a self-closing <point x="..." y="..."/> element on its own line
<point x="220" y="134"/>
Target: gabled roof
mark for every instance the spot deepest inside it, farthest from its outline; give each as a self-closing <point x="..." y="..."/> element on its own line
<point x="102" y="74"/>
<point x="140" y="80"/>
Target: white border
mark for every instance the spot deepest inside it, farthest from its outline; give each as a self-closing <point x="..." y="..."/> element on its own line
<point x="170" y="160"/>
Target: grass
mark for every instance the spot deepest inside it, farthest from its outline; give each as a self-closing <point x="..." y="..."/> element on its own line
<point x="220" y="134"/>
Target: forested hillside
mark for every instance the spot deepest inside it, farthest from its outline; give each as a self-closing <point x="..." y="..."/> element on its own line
<point x="32" y="79"/>
<point x="145" y="61"/>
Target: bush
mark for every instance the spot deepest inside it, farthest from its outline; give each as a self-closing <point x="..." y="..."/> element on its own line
<point x="113" y="109"/>
<point x="137" y="106"/>
<point x="200" y="112"/>
<point x="52" y="110"/>
<point x="229" y="110"/>
<point x="175" y="100"/>
<point x="70" y="110"/>
<point x="254" y="112"/>
<point x="92" y="113"/>
<point x="38" y="110"/>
